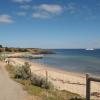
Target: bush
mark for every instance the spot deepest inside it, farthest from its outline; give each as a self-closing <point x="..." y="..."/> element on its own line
<point x="41" y="82"/>
<point x="2" y="57"/>
<point x="76" y="98"/>
<point x="23" y="72"/>
<point x="8" y="49"/>
<point x="18" y="72"/>
<point x="1" y="46"/>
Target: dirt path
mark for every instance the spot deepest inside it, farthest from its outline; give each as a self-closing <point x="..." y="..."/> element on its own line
<point x="9" y="89"/>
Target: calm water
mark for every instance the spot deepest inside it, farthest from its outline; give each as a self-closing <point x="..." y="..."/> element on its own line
<point x="75" y="60"/>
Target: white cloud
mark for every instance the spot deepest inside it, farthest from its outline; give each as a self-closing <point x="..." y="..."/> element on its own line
<point x="5" y="19"/>
<point x="22" y="1"/>
<point x="50" y="8"/>
<point x="46" y="10"/>
<point x="41" y="15"/>
<point x="25" y="7"/>
<point x="21" y="13"/>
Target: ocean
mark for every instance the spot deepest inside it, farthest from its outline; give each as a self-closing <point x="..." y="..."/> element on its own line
<point x="73" y="60"/>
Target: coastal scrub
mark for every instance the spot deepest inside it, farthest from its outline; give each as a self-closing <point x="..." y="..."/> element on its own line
<point x="38" y="86"/>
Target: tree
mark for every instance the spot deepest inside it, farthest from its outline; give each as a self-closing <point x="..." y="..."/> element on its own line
<point x="0" y="46"/>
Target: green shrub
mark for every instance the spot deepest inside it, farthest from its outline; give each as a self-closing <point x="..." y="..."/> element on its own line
<point x="2" y="57"/>
<point x="22" y="72"/>
<point x="41" y="82"/>
<point x="76" y="98"/>
<point x="1" y="46"/>
<point x="18" y="72"/>
<point x="26" y="71"/>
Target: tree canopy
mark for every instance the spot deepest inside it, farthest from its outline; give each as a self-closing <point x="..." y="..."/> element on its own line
<point x="0" y="46"/>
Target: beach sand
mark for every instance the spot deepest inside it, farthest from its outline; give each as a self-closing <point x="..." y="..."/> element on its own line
<point x="63" y="80"/>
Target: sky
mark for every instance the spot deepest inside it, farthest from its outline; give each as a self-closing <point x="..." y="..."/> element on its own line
<point x="50" y="23"/>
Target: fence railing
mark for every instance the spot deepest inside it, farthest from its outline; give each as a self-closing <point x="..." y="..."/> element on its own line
<point x="88" y="85"/>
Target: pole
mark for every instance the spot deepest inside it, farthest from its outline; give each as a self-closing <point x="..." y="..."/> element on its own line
<point x="47" y="83"/>
<point x="87" y="87"/>
<point x="46" y="77"/>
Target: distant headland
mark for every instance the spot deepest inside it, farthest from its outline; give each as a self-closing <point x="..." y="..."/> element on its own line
<point x="30" y="50"/>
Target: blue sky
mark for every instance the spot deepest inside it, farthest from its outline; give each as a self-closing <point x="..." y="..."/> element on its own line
<point x="50" y="23"/>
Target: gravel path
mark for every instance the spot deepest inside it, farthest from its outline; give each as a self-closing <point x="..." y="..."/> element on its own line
<point x="9" y="89"/>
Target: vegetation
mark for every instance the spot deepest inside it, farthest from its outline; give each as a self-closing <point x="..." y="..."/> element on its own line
<point x="76" y="98"/>
<point x="48" y="94"/>
<point x="22" y="72"/>
<point x="43" y="51"/>
<point x="0" y="46"/>
<point x="2" y="50"/>
<point x="38" y="86"/>
<point x="31" y="50"/>
<point x="2" y="57"/>
<point x="41" y="82"/>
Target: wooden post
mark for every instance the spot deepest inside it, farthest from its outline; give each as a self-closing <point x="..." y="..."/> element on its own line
<point x="46" y="83"/>
<point x="87" y="87"/>
<point x="30" y="74"/>
<point x="46" y="77"/>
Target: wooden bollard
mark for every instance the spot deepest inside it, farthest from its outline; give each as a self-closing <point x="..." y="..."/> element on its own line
<point x="88" y="82"/>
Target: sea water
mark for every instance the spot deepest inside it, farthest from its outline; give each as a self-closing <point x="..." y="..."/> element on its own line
<point x="73" y="60"/>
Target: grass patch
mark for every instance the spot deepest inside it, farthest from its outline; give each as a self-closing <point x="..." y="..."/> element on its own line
<point x="30" y="88"/>
<point x="46" y="94"/>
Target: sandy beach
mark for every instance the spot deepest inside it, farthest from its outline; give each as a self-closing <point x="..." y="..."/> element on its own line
<point x="63" y="80"/>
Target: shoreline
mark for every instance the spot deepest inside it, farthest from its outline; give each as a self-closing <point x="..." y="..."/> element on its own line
<point x="63" y="80"/>
<point x="48" y="67"/>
